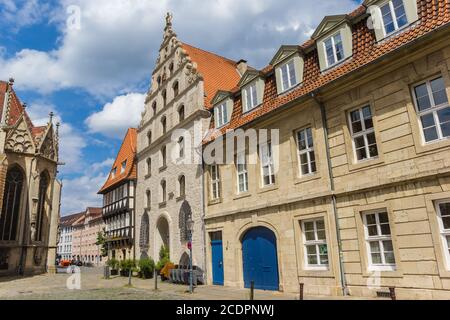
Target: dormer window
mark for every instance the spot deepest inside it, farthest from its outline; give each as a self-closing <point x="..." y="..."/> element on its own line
<point x="251" y="97"/>
<point x="394" y="16"/>
<point x="334" y="49"/>
<point x="221" y="115"/>
<point x="288" y="77"/>
<point x="113" y="173"/>
<point x="123" y="167"/>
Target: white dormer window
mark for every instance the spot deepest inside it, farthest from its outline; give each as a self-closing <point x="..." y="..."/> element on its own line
<point x="251" y="97"/>
<point x="288" y="76"/>
<point x="334" y="49"/>
<point x="123" y="167"/>
<point x="389" y="16"/>
<point x="394" y="16"/>
<point x="221" y="115"/>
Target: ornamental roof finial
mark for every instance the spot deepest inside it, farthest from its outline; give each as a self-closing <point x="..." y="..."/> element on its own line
<point x="169" y="18"/>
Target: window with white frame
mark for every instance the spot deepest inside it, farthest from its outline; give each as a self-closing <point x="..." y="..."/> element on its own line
<point x="251" y="95"/>
<point x="306" y="155"/>
<point x="433" y="109"/>
<point x="394" y="16"/>
<point x="221" y="115"/>
<point x="334" y="49"/>
<point x="288" y="77"/>
<point x="379" y="240"/>
<point x="315" y="244"/>
<point x="267" y="164"/>
<point x="443" y="210"/>
<point x="242" y="173"/>
<point x="215" y="182"/>
<point x="363" y="134"/>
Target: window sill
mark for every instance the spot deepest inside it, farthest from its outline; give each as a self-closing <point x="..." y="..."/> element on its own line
<point x="242" y="195"/>
<point x="365" y="163"/>
<point x="148" y="176"/>
<point x="181" y="198"/>
<point x="163" y="204"/>
<point x="433" y="145"/>
<point x="268" y="188"/>
<point x="319" y="273"/>
<point x="163" y="168"/>
<point x="307" y="178"/>
<point x="214" y="202"/>
<point x="281" y="93"/>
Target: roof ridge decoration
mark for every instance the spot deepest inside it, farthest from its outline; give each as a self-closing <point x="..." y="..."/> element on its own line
<point x="7" y="103"/>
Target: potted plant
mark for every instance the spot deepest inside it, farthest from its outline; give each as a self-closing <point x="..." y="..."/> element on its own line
<point x="146" y="268"/>
<point x="127" y="266"/>
<point x="113" y="264"/>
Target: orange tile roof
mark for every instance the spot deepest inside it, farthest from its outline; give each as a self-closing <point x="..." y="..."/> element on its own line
<point x="218" y="73"/>
<point x="126" y="153"/>
<point x="365" y="50"/>
<point x="16" y="110"/>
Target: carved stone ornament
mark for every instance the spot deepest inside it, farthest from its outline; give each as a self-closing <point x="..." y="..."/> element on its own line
<point x="19" y="139"/>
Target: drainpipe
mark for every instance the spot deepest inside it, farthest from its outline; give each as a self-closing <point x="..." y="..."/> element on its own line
<point x="314" y="95"/>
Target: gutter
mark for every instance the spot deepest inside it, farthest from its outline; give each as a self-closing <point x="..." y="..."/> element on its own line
<point x="314" y="96"/>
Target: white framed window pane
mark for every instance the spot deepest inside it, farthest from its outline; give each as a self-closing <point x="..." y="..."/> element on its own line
<point x="438" y="90"/>
<point x="292" y="77"/>
<point x="330" y="52"/>
<point x="285" y="77"/>
<point x="422" y="97"/>
<point x="388" y="21"/>
<point x="254" y="95"/>
<point x="339" y="47"/>
<point x="400" y="14"/>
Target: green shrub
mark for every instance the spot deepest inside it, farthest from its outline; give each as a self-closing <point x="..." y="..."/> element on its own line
<point x="113" y="263"/>
<point x="164" y="258"/>
<point x="127" y="265"/>
<point x="146" y="267"/>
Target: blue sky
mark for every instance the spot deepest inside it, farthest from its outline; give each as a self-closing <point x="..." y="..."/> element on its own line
<point x="90" y="62"/>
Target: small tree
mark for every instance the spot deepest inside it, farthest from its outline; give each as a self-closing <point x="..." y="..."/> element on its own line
<point x="164" y="258"/>
<point x="101" y="241"/>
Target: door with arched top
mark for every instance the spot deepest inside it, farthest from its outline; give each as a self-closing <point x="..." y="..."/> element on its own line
<point x="260" y="261"/>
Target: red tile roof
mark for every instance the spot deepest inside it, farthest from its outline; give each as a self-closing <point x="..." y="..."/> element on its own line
<point x="68" y="221"/>
<point x="126" y="153"/>
<point x="218" y="73"/>
<point x="365" y="51"/>
<point x="16" y="110"/>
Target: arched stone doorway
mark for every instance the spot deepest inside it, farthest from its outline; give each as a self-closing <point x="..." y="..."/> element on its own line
<point x="162" y="235"/>
<point x="260" y="260"/>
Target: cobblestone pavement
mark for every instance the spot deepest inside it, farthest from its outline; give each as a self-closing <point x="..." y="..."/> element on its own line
<point x="94" y="287"/>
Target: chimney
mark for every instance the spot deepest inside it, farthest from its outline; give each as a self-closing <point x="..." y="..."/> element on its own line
<point x="242" y="66"/>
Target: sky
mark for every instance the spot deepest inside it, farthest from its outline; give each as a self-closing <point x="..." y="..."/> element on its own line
<point x="90" y="63"/>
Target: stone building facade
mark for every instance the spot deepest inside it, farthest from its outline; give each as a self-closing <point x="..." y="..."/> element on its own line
<point x="29" y="190"/>
<point x="84" y="237"/>
<point x="353" y="198"/>
<point x="169" y="189"/>
<point x="119" y="201"/>
<point x="64" y="251"/>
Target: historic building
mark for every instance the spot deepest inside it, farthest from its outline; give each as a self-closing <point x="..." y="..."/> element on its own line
<point x="85" y="230"/>
<point x="29" y="190"/>
<point x="176" y="118"/>
<point x="64" y="251"/>
<point x="355" y="196"/>
<point x="119" y="201"/>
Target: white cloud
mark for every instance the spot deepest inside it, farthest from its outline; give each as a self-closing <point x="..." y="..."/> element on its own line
<point x="81" y="192"/>
<point x="115" y="48"/>
<point x="22" y="13"/>
<point x="116" y="117"/>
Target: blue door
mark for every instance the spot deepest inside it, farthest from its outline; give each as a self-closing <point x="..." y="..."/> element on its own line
<point x="259" y="256"/>
<point x="217" y="260"/>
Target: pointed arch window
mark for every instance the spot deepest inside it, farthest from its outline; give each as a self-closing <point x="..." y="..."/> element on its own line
<point x="176" y="89"/>
<point x="181" y="115"/>
<point x="182" y="185"/>
<point x="41" y="216"/>
<point x="164" y="125"/>
<point x="11" y="204"/>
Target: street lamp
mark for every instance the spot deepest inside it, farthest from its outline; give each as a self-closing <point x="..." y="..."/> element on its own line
<point x="190" y="228"/>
